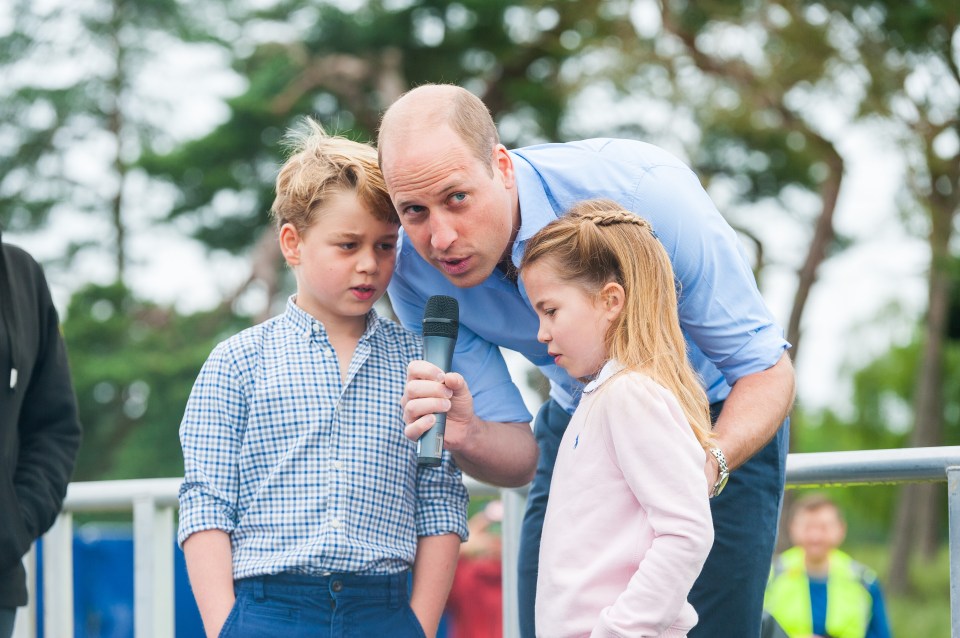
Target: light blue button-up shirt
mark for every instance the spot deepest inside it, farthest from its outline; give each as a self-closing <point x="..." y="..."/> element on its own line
<point x="309" y="473"/>
<point x="730" y="332"/>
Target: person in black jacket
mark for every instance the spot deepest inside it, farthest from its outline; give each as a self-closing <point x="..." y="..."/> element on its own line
<point x="39" y="426"/>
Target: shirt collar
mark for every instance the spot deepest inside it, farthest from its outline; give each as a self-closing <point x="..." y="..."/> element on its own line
<point x="310" y="326"/>
<point x="609" y="369"/>
<point x="536" y="207"/>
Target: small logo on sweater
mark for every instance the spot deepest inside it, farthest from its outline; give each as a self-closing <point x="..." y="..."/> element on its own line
<point x="576" y="442"/>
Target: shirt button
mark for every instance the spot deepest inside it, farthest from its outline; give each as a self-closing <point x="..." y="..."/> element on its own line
<point x="316" y="327"/>
<point x="338" y="465"/>
<point x="335" y="523"/>
<point x="336" y="586"/>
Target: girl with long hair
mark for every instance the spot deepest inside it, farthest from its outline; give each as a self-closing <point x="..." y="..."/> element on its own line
<point x="628" y="522"/>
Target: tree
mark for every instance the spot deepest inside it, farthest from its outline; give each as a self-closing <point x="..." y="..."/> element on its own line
<point x="344" y="67"/>
<point x="909" y="51"/>
<point x="133" y="365"/>
<point x="73" y="131"/>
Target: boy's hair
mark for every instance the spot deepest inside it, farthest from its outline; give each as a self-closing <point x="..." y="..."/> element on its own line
<point x="598" y="242"/>
<point x="322" y="166"/>
<point x="812" y="503"/>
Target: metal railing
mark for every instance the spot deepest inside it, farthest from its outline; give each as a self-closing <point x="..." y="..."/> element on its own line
<point x="153" y="501"/>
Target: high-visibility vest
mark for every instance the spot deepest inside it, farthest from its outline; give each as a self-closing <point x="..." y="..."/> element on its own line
<point x="849" y="603"/>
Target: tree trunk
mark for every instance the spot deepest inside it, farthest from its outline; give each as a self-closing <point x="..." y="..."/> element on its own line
<point x="115" y="126"/>
<point x="918" y="513"/>
<point x="823" y="236"/>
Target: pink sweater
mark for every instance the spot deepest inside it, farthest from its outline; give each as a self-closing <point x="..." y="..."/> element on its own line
<point x="628" y="523"/>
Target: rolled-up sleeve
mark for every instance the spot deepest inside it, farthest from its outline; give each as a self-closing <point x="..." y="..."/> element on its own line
<point x="441" y="500"/>
<point x="210" y="435"/>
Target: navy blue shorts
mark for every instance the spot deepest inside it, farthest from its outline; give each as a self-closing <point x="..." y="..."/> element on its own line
<point x="335" y="606"/>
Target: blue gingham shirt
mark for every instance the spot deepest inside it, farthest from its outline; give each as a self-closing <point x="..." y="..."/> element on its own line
<point x="729" y="330"/>
<point x="306" y="473"/>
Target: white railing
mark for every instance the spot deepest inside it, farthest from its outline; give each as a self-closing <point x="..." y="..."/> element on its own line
<point x="153" y="501"/>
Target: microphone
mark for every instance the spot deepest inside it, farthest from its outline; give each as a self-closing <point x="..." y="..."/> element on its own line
<point x="441" y="321"/>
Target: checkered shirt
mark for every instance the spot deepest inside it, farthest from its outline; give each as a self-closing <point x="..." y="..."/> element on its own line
<point x="306" y="473"/>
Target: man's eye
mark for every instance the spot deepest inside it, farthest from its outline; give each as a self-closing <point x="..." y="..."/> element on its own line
<point x="414" y="210"/>
<point x="458" y="197"/>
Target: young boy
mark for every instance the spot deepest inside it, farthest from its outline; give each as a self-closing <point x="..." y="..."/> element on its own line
<point x="302" y="507"/>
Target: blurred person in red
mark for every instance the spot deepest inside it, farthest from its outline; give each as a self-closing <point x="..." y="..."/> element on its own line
<point x="475" y="604"/>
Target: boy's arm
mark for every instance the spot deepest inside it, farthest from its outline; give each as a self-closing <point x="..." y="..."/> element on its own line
<point x="433" y="571"/>
<point x="210" y="567"/>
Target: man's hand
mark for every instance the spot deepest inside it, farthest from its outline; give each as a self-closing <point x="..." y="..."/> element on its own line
<point x="503" y="454"/>
<point x="429" y="390"/>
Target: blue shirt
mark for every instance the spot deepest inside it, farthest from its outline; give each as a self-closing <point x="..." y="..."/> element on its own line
<point x="306" y="473"/>
<point x="878" y="627"/>
<point x="730" y="332"/>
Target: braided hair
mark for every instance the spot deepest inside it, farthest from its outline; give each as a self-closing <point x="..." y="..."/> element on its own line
<point x="598" y="242"/>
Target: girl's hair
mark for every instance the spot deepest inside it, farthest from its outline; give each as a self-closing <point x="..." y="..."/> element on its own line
<point x="321" y="166"/>
<point x="598" y="242"/>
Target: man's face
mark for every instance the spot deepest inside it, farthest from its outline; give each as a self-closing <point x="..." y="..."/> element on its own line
<point x="459" y="212"/>
<point x="817" y="531"/>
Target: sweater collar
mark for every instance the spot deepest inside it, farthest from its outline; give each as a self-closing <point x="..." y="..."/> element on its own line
<point x="609" y="369"/>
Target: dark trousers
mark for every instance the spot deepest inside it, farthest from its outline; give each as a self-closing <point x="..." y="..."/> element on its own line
<point x="728" y="595"/>
<point x="336" y="606"/>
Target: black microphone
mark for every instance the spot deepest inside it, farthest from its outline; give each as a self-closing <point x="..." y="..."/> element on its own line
<point x="441" y="321"/>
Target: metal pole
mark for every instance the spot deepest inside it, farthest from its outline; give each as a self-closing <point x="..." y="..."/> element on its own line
<point x="514" y="504"/>
<point x="953" y="506"/>
<point x="58" y="577"/>
<point x="153" y="607"/>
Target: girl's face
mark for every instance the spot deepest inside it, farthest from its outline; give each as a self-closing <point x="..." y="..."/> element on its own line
<point x="573" y="323"/>
<point x="343" y="262"/>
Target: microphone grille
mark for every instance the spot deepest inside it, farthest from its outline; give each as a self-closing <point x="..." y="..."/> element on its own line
<point x="441" y="317"/>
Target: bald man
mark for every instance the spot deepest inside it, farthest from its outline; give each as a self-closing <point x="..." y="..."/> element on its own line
<point x="467" y="206"/>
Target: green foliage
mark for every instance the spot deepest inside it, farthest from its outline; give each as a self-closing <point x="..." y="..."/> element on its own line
<point x="339" y="69"/>
<point x="133" y="365"/>
<point x="882" y="417"/>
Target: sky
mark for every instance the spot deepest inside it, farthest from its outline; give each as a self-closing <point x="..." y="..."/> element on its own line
<point x="867" y="297"/>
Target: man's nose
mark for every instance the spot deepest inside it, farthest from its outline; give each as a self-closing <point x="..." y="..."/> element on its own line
<point x="442" y="232"/>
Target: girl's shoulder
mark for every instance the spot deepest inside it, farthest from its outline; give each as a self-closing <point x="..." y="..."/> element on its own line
<point x="626" y="389"/>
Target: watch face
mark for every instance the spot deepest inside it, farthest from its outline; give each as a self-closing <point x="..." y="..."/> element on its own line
<point x="722" y="483"/>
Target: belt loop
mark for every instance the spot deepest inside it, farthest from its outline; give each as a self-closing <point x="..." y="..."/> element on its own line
<point x="258" y="589"/>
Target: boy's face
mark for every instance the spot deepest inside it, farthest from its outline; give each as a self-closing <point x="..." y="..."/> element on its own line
<point x="817" y="531"/>
<point x="342" y="263"/>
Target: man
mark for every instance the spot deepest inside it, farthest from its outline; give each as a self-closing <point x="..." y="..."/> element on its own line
<point x="817" y="590"/>
<point x="467" y="205"/>
<point x="39" y="429"/>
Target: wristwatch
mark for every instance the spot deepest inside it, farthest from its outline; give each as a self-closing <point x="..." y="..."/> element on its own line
<point x="724" y="471"/>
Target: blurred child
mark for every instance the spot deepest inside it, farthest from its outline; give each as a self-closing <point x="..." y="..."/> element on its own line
<point x="628" y="524"/>
<point x="817" y="590"/>
<point x="303" y="508"/>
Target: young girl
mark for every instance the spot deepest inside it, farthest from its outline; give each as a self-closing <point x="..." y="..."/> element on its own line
<point x="628" y="524"/>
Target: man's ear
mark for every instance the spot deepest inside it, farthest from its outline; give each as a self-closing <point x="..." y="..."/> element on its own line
<point x="613" y="297"/>
<point x="290" y="244"/>
<point x="503" y="163"/>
